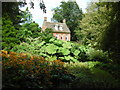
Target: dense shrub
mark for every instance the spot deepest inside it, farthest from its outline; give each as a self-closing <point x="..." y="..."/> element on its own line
<point x="87" y="76"/>
<point x="113" y="69"/>
<point x="53" y="49"/>
<point x="98" y="55"/>
<point x="24" y="71"/>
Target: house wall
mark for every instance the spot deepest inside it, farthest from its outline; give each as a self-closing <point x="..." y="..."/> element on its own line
<point x="62" y="36"/>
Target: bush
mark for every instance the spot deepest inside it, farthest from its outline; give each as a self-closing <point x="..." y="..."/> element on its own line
<point x="21" y="70"/>
<point x="98" y="55"/>
<point x="87" y="76"/>
<point x="53" y="49"/>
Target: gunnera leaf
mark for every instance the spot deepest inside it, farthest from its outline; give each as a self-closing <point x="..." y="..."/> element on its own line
<point x="51" y="49"/>
<point x="67" y="45"/>
<point x="76" y="52"/>
<point x="64" y="51"/>
<point x="58" y="42"/>
<point x="68" y="58"/>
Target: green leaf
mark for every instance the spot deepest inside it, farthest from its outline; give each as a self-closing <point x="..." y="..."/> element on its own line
<point x="51" y="49"/>
<point x="51" y="40"/>
<point x="76" y="52"/>
<point x="51" y="58"/>
<point x="64" y="51"/>
<point x="68" y="58"/>
<point x="67" y="45"/>
<point x="40" y="44"/>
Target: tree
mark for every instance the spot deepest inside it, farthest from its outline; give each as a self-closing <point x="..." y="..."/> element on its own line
<point x="93" y="25"/>
<point x="9" y="34"/>
<point x="99" y="27"/>
<point x="26" y="16"/>
<point x="12" y="10"/>
<point x="12" y="17"/>
<point x="31" y="30"/>
<point x="111" y="37"/>
<point x="71" y="13"/>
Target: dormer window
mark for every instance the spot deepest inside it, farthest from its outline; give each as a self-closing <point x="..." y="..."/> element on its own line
<point x="56" y="27"/>
<point x="61" y="27"/>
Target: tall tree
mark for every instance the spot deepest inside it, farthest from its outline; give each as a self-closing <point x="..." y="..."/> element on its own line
<point x="100" y="27"/>
<point x="12" y="16"/>
<point x="111" y="38"/>
<point x="71" y="12"/>
<point x="12" y="10"/>
<point x="94" y="24"/>
<point x="31" y="30"/>
<point x="9" y="34"/>
<point x="10" y="24"/>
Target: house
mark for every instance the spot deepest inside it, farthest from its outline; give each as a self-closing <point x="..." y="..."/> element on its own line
<point x="60" y="30"/>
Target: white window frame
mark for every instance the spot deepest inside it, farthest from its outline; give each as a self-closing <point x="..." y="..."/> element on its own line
<point x="56" y="27"/>
<point x="61" y="27"/>
<point x="66" y="38"/>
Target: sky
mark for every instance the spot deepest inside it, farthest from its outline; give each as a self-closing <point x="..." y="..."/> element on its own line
<point x="38" y="15"/>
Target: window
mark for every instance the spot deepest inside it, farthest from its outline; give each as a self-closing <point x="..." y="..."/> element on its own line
<point x="61" y="27"/>
<point x="56" y="27"/>
<point x="66" y="38"/>
<point x="56" y="36"/>
<point x="61" y="37"/>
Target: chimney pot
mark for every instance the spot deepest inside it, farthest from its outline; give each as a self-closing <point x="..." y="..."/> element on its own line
<point x="45" y="18"/>
<point x="64" y="21"/>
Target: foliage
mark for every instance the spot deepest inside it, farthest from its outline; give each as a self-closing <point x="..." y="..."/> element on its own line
<point x="71" y="13"/>
<point x="12" y="17"/>
<point x="53" y="49"/>
<point x="13" y="12"/>
<point x="108" y="42"/>
<point x="9" y="34"/>
<point x="93" y="25"/>
<point x="87" y="76"/>
<point x="46" y="35"/>
<point x="113" y="69"/>
<point x="26" y="16"/>
<point x="21" y="70"/>
<point x="98" y="55"/>
<point x="26" y="71"/>
<point x="100" y="22"/>
<point x="29" y="30"/>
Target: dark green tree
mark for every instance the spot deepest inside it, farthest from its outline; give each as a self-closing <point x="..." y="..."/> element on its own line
<point x="71" y="12"/>
<point x="29" y="30"/>
<point x="12" y="10"/>
<point x="111" y="37"/>
<point x="9" y="34"/>
<point x="26" y="16"/>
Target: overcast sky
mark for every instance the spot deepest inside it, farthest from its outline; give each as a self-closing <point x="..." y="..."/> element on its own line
<point x="38" y="15"/>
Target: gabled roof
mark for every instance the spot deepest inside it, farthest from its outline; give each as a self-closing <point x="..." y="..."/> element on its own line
<point x="52" y="25"/>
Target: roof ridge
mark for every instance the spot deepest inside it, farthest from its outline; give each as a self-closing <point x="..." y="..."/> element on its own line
<point x="55" y="22"/>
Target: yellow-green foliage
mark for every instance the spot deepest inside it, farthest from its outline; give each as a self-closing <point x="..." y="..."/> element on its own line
<point x="88" y="76"/>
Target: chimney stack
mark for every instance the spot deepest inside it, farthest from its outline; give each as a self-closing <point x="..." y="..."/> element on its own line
<point x="64" y="21"/>
<point x="45" y="18"/>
